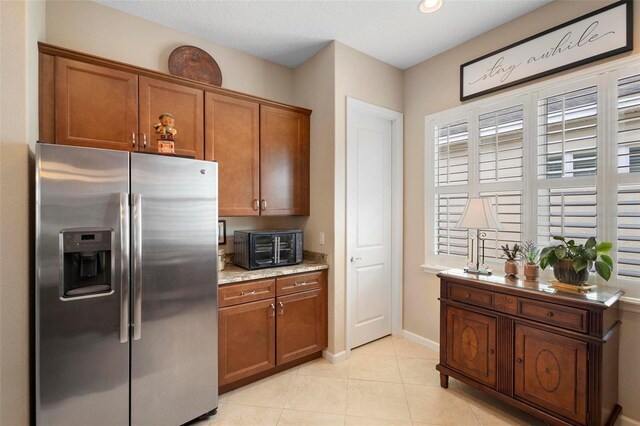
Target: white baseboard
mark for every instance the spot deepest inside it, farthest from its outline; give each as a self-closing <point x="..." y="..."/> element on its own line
<point x="334" y="358"/>
<point x="627" y="421"/>
<point x="430" y="344"/>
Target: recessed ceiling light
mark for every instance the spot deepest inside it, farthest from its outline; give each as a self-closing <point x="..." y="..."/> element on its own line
<point x="429" y="6"/>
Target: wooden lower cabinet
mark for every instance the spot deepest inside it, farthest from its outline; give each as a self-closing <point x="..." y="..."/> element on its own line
<point x="551" y="371"/>
<point x="553" y="355"/>
<point x="246" y="340"/>
<point x="301" y="325"/>
<point x="471" y="344"/>
<point x="257" y="338"/>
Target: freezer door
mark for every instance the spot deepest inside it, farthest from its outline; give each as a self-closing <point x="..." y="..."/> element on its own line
<point x="174" y="359"/>
<point x="81" y="348"/>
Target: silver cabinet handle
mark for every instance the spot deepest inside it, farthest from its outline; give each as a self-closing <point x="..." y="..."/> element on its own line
<point x="277" y="244"/>
<point x="133" y="138"/>
<point x="144" y="140"/>
<point x="301" y="283"/>
<point x="264" y="205"/>
<point x="123" y="219"/>
<point x="281" y="308"/>
<point x="247" y="293"/>
<point x="353" y="259"/>
<point x="137" y="266"/>
<point x="273" y="310"/>
<point x="256" y="204"/>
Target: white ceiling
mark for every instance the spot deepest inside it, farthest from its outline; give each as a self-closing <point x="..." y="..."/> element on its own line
<point x="290" y="32"/>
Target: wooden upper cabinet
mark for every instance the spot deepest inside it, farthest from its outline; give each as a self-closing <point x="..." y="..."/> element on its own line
<point x="284" y="162"/>
<point x="186" y="105"/>
<point x="551" y="371"/>
<point x="95" y="106"/>
<point x="232" y="138"/>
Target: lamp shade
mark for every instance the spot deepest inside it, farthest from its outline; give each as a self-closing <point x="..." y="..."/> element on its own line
<point x="479" y="213"/>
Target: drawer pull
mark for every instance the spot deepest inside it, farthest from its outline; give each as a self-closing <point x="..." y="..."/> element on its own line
<point x="549" y="314"/>
<point x="519" y="360"/>
<point x="273" y="310"/>
<point x="491" y="351"/>
<point x="133" y="139"/>
<point x="301" y="283"/>
<point x="281" y="308"/>
<point x="247" y="293"/>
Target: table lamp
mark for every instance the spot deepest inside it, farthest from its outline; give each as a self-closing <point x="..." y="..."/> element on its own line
<point x="479" y="214"/>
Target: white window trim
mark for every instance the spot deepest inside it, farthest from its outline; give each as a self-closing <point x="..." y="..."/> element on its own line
<point x="605" y="77"/>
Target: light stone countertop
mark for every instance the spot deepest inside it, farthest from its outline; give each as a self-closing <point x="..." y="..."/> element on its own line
<point x="234" y="274"/>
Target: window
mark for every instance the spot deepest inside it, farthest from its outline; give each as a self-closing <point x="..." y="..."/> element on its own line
<point x="560" y="157"/>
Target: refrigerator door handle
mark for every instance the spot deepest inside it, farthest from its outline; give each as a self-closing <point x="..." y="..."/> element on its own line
<point x="137" y="265"/>
<point x="123" y="220"/>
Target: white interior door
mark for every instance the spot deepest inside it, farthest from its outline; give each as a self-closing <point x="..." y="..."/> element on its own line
<point x="369" y="183"/>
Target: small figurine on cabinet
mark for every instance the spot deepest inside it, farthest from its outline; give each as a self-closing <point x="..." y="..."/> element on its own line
<point x="166" y="131"/>
<point x="165" y="126"/>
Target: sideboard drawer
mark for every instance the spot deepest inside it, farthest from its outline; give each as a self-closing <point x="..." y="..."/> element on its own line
<point x="470" y="295"/>
<point x="234" y="294"/>
<point x="297" y="283"/>
<point x="561" y="316"/>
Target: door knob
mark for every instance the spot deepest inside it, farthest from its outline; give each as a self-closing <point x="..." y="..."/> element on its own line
<point x="353" y="259"/>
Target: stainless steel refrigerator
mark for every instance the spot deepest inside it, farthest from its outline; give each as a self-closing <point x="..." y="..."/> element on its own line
<point x="126" y="288"/>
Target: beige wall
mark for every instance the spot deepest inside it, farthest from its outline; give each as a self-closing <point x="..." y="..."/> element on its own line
<point x="93" y="28"/>
<point x="314" y="88"/>
<point x="367" y="79"/>
<point x="433" y="86"/>
<point x="21" y="25"/>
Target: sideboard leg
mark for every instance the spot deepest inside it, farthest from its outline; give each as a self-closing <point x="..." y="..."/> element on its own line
<point x="444" y="380"/>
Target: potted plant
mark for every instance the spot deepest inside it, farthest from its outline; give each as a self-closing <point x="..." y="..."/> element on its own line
<point x="511" y="264"/>
<point x="530" y="256"/>
<point x="572" y="262"/>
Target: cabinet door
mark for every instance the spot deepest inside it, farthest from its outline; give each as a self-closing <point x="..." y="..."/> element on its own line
<point x="186" y="105"/>
<point x="301" y="325"/>
<point x="232" y="138"/>
<point x="551" y="371"/>
<point x="471" y="344"/>
<point x="284" y="162"/>
<point x="246" y="340"/>
<point x="95" y="106"/>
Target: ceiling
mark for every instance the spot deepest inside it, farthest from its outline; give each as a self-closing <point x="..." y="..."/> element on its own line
<point x="290" y="32"/>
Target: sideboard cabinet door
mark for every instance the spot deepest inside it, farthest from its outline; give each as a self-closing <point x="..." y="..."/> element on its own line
<point x="551" y="371"/>
<point x="471" y="344"/>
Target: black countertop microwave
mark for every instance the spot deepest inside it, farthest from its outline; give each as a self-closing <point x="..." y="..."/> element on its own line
<point x="267" y="249"/>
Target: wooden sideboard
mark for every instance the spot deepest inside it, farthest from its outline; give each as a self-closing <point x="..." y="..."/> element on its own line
<point x="552" y="354"/>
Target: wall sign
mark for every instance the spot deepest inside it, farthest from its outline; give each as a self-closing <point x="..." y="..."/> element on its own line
<point x="599" y="34"/>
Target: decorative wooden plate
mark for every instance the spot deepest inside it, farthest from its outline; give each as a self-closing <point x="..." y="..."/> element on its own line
<point x="196" y="64"/>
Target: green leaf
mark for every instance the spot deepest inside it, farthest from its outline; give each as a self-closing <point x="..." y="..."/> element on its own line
<point x="571" y="243"/>
<point x="579" y="264"/>
<point x="603" y="270"/>
<point x="604" y="247"/>
<point x="591" y="242"/>
<point x="591" y="254"/>
<point x="558" y="238"/>
<point x="560" y="252"/>
<point x="545" y="251"/>
<point x="543" y="263"/>
<point x="606" y="259"/>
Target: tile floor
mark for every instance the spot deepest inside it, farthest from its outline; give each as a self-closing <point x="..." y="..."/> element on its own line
<point x="391" y="381"/>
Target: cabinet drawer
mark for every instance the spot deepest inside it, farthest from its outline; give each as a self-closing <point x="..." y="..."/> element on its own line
<point x="300" y="282"/>
<point x="470" y="295"/>
<point x="235" y="294"/>
<point x="562" y="316"/>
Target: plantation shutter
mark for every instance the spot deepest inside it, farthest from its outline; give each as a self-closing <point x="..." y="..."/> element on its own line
<point x="567" y="134"/>
<point x="571" y="213"/>
<point x="500" y="145"/>
<point x="449" y="239"/>
<point x="452" y="154"/>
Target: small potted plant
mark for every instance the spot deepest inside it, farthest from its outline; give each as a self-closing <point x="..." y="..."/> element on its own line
<point x="572" y="262"/>
<point x="511" y="264"/>
<point x="530" y="256"/>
